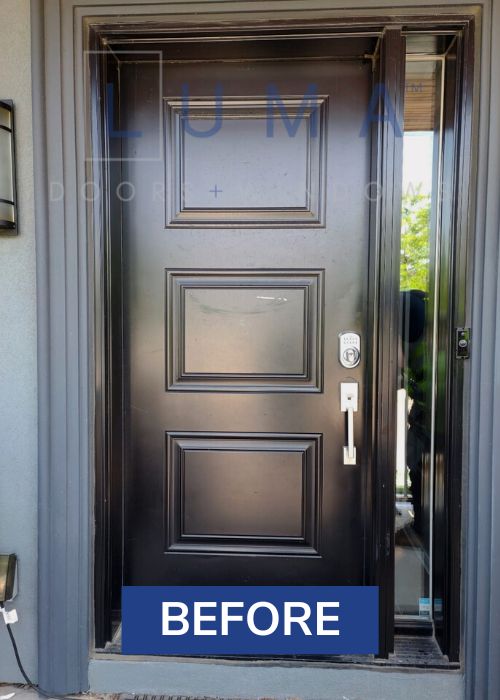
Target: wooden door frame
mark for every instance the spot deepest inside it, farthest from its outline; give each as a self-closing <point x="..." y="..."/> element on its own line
<point x="72" y="395"/>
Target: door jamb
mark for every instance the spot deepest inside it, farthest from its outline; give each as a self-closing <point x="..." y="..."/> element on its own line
<point x="389" y="71"/>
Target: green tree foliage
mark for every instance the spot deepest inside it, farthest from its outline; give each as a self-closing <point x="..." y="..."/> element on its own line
<point x="415" y="241"/>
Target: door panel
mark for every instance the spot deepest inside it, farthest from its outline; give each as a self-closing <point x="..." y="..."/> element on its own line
<point x="288" y="191"/>
<point x="245" y="254"/>
<point x="254" y="494"/>
<point x="245" y="330"/>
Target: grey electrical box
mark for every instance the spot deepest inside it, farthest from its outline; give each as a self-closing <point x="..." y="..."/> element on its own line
<point x="8" y="577"/>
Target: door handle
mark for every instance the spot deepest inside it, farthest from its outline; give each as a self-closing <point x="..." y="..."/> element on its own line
<point x="349" y="405"/>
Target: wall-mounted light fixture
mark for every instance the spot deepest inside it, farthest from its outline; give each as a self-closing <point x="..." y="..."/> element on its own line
<point x="8" y="210"/>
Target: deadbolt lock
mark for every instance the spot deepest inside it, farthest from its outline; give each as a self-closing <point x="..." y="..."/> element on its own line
<point x="349" y="349"/>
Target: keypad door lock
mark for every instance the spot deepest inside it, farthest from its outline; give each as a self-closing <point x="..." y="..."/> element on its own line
<point x="349" y="349"/>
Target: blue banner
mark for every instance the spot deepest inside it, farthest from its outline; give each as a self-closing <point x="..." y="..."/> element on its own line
<point x="249" y="620"/>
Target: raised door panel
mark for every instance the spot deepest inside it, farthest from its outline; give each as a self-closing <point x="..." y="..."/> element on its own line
<point x="241" y="493"/>
<point x="271" y="184"/>
<point x="244" y="330"/>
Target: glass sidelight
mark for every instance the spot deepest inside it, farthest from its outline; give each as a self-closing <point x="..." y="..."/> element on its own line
<point x="417" y="346"/>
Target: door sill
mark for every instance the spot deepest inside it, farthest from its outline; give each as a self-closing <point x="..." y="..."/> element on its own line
<point x="410" y="651"/>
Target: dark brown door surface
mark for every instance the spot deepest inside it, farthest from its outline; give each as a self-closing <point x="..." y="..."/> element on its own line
<point x="245" y="254"/>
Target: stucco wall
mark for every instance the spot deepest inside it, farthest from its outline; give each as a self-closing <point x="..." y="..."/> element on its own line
<point x="18" y="397"/>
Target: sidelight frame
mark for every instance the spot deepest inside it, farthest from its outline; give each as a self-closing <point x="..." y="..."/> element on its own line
<point x="71" y="403"/>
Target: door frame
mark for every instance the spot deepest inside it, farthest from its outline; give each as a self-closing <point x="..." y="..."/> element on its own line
<point x="383" y="314"/>
<point x="69" y="399"/>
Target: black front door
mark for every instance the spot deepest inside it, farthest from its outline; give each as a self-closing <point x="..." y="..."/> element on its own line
<point x="245" y="255"/>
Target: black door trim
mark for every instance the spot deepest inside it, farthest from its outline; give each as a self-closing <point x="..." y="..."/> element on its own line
<point x="386" y="223"/>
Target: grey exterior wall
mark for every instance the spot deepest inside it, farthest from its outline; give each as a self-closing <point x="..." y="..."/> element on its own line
<point x="482" y="481"/>
<point x="18" y="373"/>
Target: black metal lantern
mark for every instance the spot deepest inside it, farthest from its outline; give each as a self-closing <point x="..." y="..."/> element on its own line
<point x="8" y="213"/>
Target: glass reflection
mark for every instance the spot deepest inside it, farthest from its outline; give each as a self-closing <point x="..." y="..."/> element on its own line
<point x="415" y="410"/>
<point x="245" y="331"/>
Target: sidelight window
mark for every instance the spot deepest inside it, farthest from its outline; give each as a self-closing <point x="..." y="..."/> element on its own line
<point x="416" y="406"/>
